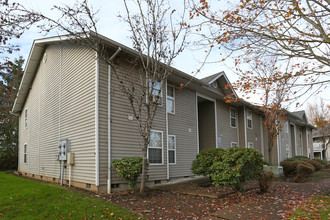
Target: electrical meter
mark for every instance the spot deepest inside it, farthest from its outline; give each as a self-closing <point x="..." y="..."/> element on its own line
<point x="63" y="149"/>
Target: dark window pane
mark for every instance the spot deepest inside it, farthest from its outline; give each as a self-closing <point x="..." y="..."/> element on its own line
<point x="171" y="156"/>
<point x="155" y="155"/>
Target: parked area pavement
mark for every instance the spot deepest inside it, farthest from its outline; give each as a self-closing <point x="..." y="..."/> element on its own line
<point x="195" y="198"/>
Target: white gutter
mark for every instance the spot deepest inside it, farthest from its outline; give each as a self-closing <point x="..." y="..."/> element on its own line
<point x="245" y="132"/>
<point x="262" y="136"/>
<point x="166" y="115"/>
<point x="109" y="121"/>
<point x="97" y="158"/>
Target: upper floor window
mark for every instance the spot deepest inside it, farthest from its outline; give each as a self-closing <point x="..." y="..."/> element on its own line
<point x="249" y="118"/>
<point x="233" y="117"/>
<point x="26" y="118"/>
<point x="170" y="101"/>
<point x="155" y="88"/>
<point x="286" y="127"/>
<point x="155" y="147"/>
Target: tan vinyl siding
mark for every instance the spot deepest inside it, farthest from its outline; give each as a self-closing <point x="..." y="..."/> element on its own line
<point x="284" y="142"/>
<point x="299" y="142"/>
<point x="125" y="138"/>
<point x="241" y="127"/>
<point x="62" y="105"/>
<point x="227" y="133"/>
<point x="253" y="135"/>
<point x="206" y="125"/>
<point x="103" y="121"/>
<point x="183" y="124"/>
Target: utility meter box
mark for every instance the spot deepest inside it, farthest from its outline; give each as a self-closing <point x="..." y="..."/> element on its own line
<point x="70" y="160"/>
<point x="63" y="149"/>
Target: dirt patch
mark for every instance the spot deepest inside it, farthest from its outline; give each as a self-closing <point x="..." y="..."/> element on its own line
<point x="178" y="204"/>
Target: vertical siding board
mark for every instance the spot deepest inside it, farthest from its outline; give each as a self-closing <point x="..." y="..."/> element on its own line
<point x="179" y="124"/>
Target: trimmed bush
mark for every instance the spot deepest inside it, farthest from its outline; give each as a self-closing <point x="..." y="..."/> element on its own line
<point x="320" y="161"/>
<point x="297" y="158"/>
<point x="304" y="170"/>
<point x="318" y="166"/>
<point x="265" y="180"/>
<point x="235" y="166"/>
<point x="128" y="168"/>
<point x="204" y="160"/>
<point x="288" y="167"/>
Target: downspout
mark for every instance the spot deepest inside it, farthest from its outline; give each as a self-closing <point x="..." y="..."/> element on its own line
<point x="262" y="136"/>
<point x="109" y="121"/>
<point x="97" y="156"/>
<point x="245" y="132"/>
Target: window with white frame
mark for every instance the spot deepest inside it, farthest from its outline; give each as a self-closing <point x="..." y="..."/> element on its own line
<point x="155" y="88"/>
<point x="249" y="118"/>
<point x="25" y="153"/>
<point x="233" y="144"/>
<point x="26" y="118"/>
<point x="233" y="117"/>
<point x="155" y="147"/>
<point x="287" y="150"/>
<point x="286" y="127"/>
<point x="171" y="149"/>
<point x="250" y="145"/>
<point x="170" y="101"/>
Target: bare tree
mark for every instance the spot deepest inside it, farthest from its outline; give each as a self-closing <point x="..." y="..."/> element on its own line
<point x="158" y="37"/>
<point x="319" y="116"/>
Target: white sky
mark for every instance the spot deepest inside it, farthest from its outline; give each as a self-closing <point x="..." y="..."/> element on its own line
<point x="110" y="26"/>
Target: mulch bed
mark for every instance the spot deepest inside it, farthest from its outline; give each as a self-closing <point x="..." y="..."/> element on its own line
<point x="163" y="204"/>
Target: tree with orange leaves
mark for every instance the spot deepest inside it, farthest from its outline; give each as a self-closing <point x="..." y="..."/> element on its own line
<point x="296" y="32"/>
<point x="319" y="116"/>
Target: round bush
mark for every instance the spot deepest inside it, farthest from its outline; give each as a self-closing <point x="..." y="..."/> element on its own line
<point x="304" y="170"/>
<point x="318" y="166"/>
<point x="128" y="168"/>
<point x="288" y="167"/>
<point x="321" y="162"/>
<point x="265" y="180"/>
<point x="204" y="160"/>
<point x="235" y="167"/>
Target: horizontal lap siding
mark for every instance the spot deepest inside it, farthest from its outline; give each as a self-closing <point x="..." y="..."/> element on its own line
<point x="125" y="138"/>
<point x="179" y="124"/>
<point x="227" y="133"/>
<point x="103" y="121"/>
<point x="62" y="105"/>
<point x="284" y="140"/>
<point x="253" y="135"/>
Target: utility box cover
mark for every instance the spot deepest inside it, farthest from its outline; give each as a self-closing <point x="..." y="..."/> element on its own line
<point x="70" y="160"/>
<point x="63" y="149"/>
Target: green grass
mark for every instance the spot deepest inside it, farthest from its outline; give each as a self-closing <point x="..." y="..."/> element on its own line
<point x="25" y="199"/>
<point x="316" y="208"/>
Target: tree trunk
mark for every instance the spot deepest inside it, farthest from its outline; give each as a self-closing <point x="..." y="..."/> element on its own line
<point x="270" y="148"/>
<point x="144" y="168"/>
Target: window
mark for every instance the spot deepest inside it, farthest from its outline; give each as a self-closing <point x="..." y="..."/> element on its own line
<point x="155" y="147"/>
<point x="286" y="128"/>
<point x="287" y="150"/>
<point x="215" y="84"/>
<point x="233" y="117"/>
<point x="25" y="153"/>
<point x="170" y="101"/>
<point x="26" y="118"/>
<point x="233" y="144"/>
<point x="300" y="133"/>
<point x="250" y="145"/>
<point x="171" y="149"/>
<point x="249" y="118"/>
<point x="156" y="88"/>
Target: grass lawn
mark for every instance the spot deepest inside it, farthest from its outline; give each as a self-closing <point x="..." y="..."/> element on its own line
<point x="316" y="208"/>
<point x="25" y="199"/>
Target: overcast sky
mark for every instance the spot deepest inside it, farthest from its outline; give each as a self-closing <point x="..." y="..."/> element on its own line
<point x="112" y="27"/>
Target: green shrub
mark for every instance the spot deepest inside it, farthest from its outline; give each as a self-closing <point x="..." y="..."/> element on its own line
<point x="128" y="168"/>
<point x="318" y="166"/>
<point x="304" y="170"/>
<point x="204" y="160"/>
<point x="235" y="166"/>
<point x="265" y="180"/>
<point x="296" y="158"/>
<point x="320" y="161"/>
